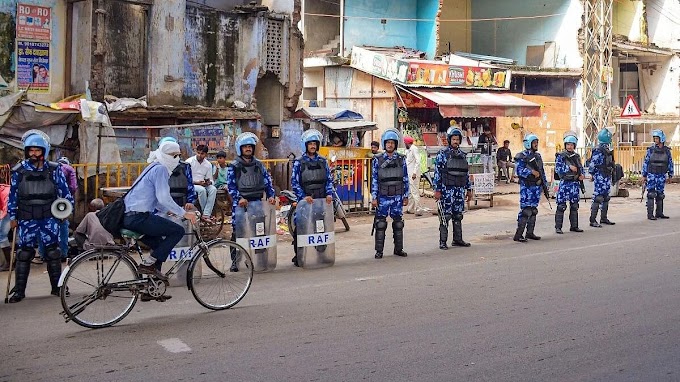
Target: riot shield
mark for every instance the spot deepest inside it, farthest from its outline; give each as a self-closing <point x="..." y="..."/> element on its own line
<point x="255" y="229"/>
<point x="315" y="234"/>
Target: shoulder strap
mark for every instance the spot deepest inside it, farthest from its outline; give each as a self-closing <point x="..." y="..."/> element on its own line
<point x="146" y="170"/>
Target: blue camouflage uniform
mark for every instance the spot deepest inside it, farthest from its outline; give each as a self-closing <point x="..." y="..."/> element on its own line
<point x="191" y="192"/>
<point x="452" y="196"/>
<point x="529" y="192"/>
<point x="601" y="168"/>
<point x="236" y="195"/>
<point x="656" y="178"/>
<point x="299" y="188"/>
<point x="389" y="205"/>
<point x="569" y="189"/>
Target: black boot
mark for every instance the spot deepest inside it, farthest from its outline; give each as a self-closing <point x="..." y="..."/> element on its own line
<point x="380" y="228"/>
<point x="531" y="224"/>
<point x="650" y="207"/>
<point x="659" y="207"/>
<point x="398" y="234"/>
<point x="54" y="272"/>
<point x="559" y="217"/>
<point x="605" y="210"/>
<point x="521" y="225"/>
<point x="7" y="253"/>
<point x="444" y="232"/>
<point x="593" y="213"/>
<point x="573" y="218"/>
<point x="23" y="268"/>
<point x="458" y="231"/>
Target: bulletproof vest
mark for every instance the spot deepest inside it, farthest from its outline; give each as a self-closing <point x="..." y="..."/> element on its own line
<point x="658" y="161"/>
<point x="456" y="170"/>
<point x="607" y="166"/>
<point x="534" y="162"/>
<point x="313" y="177"/>
<point x="35" y="192"/>
<point x="572" y="159"/>
<point x="391" y="175"/>
<point x="179" y="184"/>
<point x="249" y="178"/>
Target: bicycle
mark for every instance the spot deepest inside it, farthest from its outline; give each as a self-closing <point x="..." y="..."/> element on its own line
<point x="101" y="286"/>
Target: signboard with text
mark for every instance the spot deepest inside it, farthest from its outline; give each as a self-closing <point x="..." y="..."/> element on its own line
<point x="33" y="22"/>
<point x="33" y="66"/>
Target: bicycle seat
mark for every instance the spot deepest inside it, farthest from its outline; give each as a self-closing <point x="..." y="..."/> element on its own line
<point x="126" y="233"/>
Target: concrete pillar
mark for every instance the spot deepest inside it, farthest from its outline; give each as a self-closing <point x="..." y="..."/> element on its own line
<point x="166" y="49"/>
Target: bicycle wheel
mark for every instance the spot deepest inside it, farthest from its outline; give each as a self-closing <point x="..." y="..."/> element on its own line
<point x="210" y="279"/>
<point x="93" y="301"/>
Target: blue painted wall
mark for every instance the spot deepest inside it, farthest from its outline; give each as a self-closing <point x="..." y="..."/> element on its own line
<point x="409" y="33"/>
<point x="512" y="37"/>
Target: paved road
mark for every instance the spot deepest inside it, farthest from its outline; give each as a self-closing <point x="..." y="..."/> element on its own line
<point x="599" y="306"/>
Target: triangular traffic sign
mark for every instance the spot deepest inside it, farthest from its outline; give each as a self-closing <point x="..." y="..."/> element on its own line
<point x="630" y="108"/>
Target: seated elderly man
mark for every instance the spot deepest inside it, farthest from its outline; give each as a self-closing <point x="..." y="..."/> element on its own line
<point x="90" y="233"/>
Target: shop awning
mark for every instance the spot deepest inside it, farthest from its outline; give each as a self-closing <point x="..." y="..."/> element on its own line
<point x="350" y="125"/>
<point x="480" y="104"/>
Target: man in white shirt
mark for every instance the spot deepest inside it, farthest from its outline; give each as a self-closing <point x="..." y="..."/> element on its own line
<point x="413" y="166"/>
<point x="202" y="172"/>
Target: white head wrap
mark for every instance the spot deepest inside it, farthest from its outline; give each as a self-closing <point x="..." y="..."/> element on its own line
<point x="163" y="155"/>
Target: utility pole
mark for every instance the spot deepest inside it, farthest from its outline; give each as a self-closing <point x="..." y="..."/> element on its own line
<point x="597" y="66"/>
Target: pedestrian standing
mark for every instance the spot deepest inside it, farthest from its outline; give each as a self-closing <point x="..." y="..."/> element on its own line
<point x="389" y="193"/>
<point x="247" y="181"/>
<point x="658" y="163"/>
<point x="485" y="143"/>
<point x="531" y="178"/>
<point x="36" y="183"/>
<point x="601" y="169"/>
<point x="452" y="188"/>
<point x="570" y="171"/>
<point x="413" y="166"/>
<point x="311" y="176"/>
<point x="5" y="227"/>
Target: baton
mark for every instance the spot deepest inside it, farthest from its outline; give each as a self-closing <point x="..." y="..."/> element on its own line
<point x="644" y="187"/>
<point x="11" y="261"/>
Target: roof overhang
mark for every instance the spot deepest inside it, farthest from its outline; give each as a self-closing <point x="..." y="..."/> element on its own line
<point x="350" y="125"/>
<point x="480" y="104"/>
<point x="633" y="49"/>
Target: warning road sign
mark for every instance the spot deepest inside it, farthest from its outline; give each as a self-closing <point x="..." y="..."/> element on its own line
<point x="630" y="109"/>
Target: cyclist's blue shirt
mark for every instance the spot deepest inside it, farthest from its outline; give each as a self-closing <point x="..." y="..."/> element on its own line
<point x="152" y="193"/>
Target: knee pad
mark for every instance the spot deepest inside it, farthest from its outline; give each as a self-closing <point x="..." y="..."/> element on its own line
<point x="25" y="254"/>
<point x="599" y="199"/>
<point x="397" y="225"/>
<point x="534" y="211"/>
<point x="651" y="194"/>
<point x="527" y="211"/>
<point x="458" y="217"/>
<point x="562" y="207"/>
<point x="381" y="224"/>
<point x="573" y="206"/>
<point x="52" y="253"/>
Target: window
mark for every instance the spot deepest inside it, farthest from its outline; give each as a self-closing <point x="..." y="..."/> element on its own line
<point x="629" y="83"/>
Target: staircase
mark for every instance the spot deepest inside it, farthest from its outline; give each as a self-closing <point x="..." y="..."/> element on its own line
<point x="332" y="48"/>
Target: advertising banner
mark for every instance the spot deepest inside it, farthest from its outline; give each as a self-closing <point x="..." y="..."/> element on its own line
<point x="33" y="66"/>
<point x="33" y="22"/>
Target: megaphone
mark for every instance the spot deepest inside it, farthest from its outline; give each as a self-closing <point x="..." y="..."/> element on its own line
<point x="61" y="208"/>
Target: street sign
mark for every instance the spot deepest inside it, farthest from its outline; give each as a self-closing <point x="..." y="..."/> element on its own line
<point x="630" y="108"/>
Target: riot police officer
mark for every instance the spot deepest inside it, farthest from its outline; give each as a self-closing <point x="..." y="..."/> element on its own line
<point x="36" y="183"/>
<point x="601" y="169"/>
<point x="311" y="176"/>
<point x="452" y="188"/>
<point x="389" y="192"/>
<point x="658" y="163"/>
<point x="247" y="180"/>
<point x="570" y="171"/>
<point x="531" y="181"/>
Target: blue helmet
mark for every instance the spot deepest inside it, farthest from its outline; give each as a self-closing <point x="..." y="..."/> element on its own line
<point x="453" y="131"/>
<point x="244" y="139"/>
<point x="528" y="139"/>
<point x="571" y="138"/>
<point x="390" y="134"/>
<point x="36" y="138"/>
<point x="604" y="136"/>
<point x="311" y="135"/>
<point x="660" y="134"/>
<point x="167" y="139"/>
